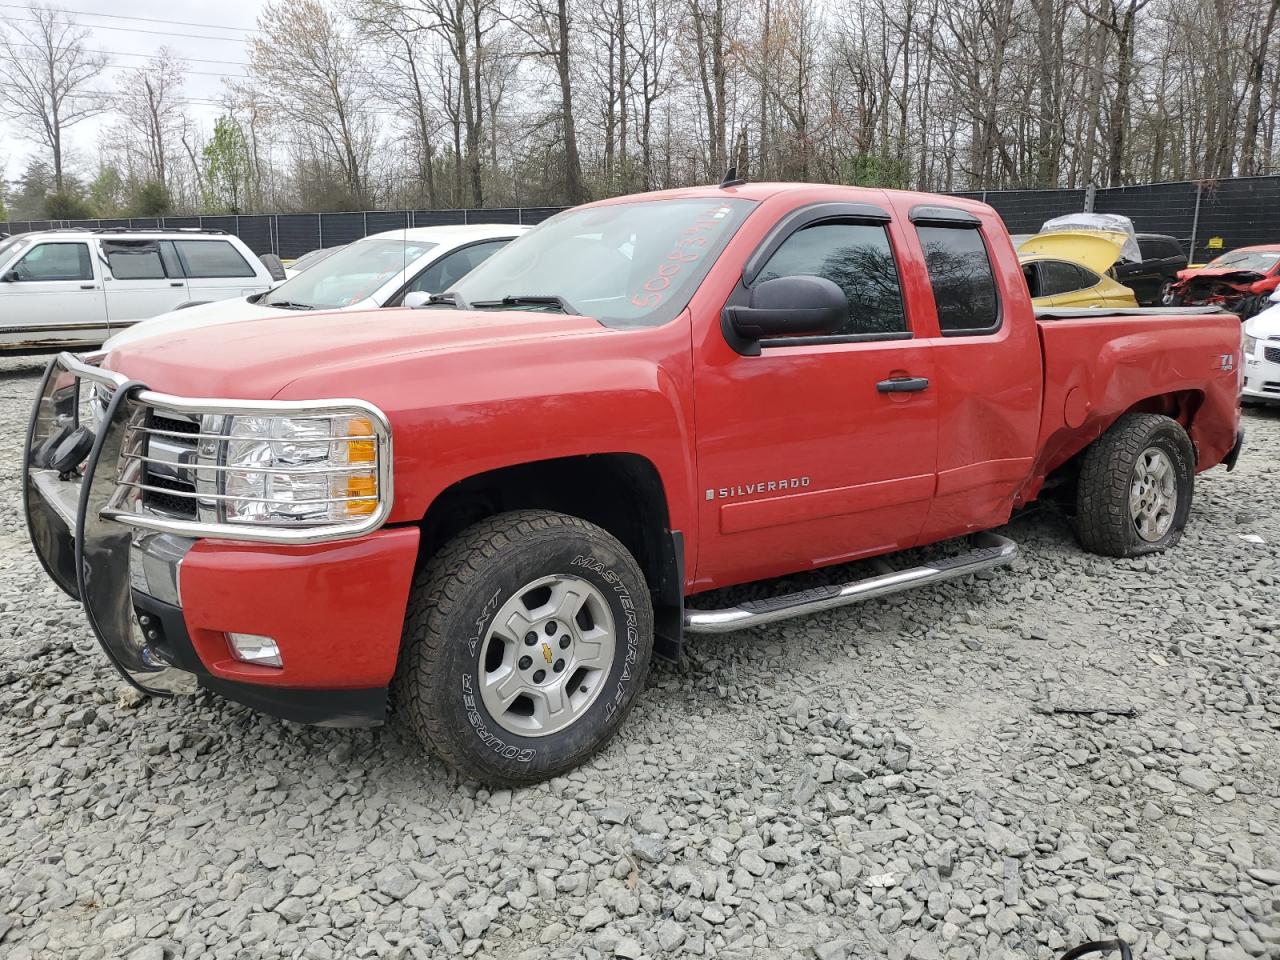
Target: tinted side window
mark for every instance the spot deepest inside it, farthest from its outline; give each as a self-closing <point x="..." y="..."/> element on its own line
<point x="212" y="258"/>
<point x="134" y="259"/>
<point x="55" y="261"/>
<point x="1057" y="276"/>
<point x="964" y="288"/>
<point x="857" y="258"/>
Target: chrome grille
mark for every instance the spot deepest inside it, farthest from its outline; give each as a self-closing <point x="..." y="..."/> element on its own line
<point x="168" y="473"/>
<point x="1272" y="354"/>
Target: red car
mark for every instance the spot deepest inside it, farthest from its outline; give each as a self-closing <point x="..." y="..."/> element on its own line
<point x="505" y="502"/>
<point x="1241" y="281"/>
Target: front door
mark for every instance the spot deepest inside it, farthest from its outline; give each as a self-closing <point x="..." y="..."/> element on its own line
<point x="141" y="283"/>
<point x="53" y="294"/>
<point x="806" y="456"/>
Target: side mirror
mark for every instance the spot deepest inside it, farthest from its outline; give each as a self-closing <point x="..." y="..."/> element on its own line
<point x="790" y="307"/>
<point x="274" y="267"/>
<point x="416" y="298"/>
<point x="9" y="276"/>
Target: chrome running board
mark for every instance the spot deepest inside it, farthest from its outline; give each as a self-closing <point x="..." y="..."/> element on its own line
<point x="990" y="551"/>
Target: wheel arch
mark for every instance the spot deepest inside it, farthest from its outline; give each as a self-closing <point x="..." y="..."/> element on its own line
<point x="621" y="492"/>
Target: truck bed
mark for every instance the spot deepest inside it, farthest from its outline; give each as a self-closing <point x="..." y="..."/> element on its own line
<point x="1099" y="365"/>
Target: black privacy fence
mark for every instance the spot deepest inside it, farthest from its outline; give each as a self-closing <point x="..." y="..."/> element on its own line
<point x="1206" y="216"/>
<point x="290" y="235"/>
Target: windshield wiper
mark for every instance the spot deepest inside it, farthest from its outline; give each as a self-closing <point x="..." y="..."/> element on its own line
<point x="289" y="305"/>
<point x="530" y="300"/>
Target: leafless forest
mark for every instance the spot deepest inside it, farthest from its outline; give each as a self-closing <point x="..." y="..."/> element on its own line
<point x="442" y="103"/>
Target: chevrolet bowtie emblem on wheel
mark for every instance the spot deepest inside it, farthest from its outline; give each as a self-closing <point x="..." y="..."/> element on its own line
<point x="546" y="652"/>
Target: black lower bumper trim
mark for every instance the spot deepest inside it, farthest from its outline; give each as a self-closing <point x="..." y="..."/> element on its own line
<point x="328" y="708"/>
<point x="322" y="708"/>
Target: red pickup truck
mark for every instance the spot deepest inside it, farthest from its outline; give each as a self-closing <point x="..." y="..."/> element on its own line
<point x="502" y="503"/>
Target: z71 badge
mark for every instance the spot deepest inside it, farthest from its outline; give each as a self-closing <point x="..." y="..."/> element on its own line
<point x="758" y="488"/>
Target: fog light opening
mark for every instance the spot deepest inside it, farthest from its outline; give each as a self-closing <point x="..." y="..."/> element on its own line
<point x="251" y="648"/>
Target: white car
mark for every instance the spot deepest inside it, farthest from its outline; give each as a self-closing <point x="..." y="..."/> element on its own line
<point x="378" y="271"/>
<point x="66" y="289"/>
<point x="1262" y="354"/>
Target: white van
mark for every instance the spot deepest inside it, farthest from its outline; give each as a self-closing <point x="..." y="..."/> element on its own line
<point x="65" y="289"/>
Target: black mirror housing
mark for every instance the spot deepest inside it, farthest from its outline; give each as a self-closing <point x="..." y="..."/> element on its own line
<point x="801" y="306"/>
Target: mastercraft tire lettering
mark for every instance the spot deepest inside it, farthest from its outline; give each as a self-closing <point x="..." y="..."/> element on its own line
<point x="527" y="642"/>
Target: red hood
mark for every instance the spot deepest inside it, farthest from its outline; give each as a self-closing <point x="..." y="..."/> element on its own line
<point x="257" y="359"/>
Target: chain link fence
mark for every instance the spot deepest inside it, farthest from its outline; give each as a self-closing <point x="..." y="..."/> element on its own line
<point x="1206" y="216"/>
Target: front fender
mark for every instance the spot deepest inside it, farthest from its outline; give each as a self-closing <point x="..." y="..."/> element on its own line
<point x="457" y="414"/>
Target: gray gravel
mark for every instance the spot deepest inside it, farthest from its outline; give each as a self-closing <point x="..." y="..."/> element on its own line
<point x="890" y="780"/>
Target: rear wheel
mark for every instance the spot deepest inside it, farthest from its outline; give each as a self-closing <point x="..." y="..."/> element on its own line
<point x="1135" y="487"/>
<point x="526" y="643"/>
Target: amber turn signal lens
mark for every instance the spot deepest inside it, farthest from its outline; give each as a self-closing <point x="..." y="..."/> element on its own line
<point x="361" y="485"/>
<point x="361" y="451"/>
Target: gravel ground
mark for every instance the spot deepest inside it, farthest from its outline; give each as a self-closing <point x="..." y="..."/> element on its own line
<point x="890" y="780"/>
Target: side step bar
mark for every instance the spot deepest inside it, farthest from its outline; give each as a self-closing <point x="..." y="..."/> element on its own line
<point x="990" y="551"/>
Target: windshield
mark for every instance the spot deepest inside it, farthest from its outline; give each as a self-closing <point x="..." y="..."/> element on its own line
<point x="353" y="273"/>
<point x="1259" y="260"/>
<point x="9" y="246"/>
<point x="625" y="264"/>
<point x="308" y="260"/>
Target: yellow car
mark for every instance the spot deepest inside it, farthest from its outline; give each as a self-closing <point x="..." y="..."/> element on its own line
<point x="1069" y="269"/>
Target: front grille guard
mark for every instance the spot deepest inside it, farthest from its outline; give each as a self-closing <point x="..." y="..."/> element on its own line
<point x="83" y="522"/>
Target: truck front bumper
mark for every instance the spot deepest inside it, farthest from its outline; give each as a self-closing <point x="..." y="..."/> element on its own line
<point x="162" y="605"/>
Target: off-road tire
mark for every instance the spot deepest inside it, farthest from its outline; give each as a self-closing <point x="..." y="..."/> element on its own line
<point x="1104" y="523"/>
<point x="451" y="606"/>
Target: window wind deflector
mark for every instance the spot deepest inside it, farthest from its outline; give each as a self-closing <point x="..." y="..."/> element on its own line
<point x="936" y="216"/>
<point x="530" y="300"/>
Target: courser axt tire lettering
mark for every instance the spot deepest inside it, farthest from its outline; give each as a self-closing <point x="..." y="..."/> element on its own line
<point x="1135" y="487"/>
<point x="529" y="566"/>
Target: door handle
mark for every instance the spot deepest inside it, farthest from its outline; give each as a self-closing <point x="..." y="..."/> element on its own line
<point x="903" y="385"/>
<point x="88" y="286"/>
<point x="177" y="283"/>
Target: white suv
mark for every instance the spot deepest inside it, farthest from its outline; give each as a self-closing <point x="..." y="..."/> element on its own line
<point x="392" y="269"/>
<point x="74" y="288"/>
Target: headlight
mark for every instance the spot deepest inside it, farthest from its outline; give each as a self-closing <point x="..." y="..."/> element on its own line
<point x="300" y="469"/>
<point x="1250" y="345"/>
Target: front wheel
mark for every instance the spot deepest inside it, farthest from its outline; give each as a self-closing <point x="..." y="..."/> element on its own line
<point x="526" y="643"/>
<point x="1135" y="487"/>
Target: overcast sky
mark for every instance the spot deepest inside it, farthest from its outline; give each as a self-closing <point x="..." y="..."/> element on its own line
<point x="129" y="42"/>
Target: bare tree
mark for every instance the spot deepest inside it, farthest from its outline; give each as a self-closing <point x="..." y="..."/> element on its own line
<point x="310" y="70"/>
<point x="49" y="77"/>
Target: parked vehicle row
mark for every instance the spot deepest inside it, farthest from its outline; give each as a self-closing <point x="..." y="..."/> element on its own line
<point x="379" y="271"/>
<point x="73" y="288"/>
<point x="505" y="501"/>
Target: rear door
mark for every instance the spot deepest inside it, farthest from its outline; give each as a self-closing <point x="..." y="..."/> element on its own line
<point x="986" y="358"/>
<point x="804" y="458"/>
<point x="141" y="283"/>
<point x="53" y="293"/>
<point x="216" y="270"/>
